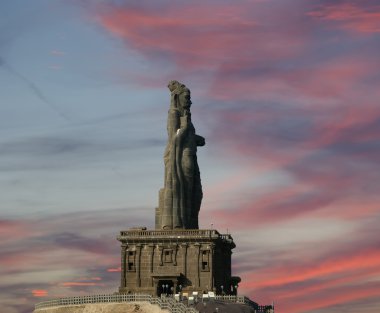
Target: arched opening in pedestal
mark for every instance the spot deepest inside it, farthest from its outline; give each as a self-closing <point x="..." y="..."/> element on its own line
<point x="165" y="287"/>
<point x="165" y="284"/>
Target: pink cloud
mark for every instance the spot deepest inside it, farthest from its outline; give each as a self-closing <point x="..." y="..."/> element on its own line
<point x="203" y="36"/>
<point x="288" y="275"/>
<point x="322" y="84"/>
<point x="306" y="284"/>
<point x="155" y="31"/>
<point x="259" y="57"/>
<point x="358" y="18"/>
<point x="14" y="229"/>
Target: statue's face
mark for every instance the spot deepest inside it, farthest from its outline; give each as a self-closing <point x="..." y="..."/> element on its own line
<point x="172" y="86"/>
<point x="185" y="99"/>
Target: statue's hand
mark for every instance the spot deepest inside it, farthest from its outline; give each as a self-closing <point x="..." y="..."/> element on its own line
<point x="200" y="140"/>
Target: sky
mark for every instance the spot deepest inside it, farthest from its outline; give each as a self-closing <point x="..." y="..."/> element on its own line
<point x="286" y="93"/>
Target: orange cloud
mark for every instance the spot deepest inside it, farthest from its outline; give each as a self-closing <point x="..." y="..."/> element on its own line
<point x="319" y="288"/>
<point x="289" y="275"/>
<point x="73" y="284"/>
<point x="352" y="278"/>
<point x="39" y="293"/>
<point x="330" y="297"/>
<point x="118" y="269"/>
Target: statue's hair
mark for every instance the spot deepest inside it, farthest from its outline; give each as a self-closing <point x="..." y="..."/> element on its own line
<point x="181" y="87"/>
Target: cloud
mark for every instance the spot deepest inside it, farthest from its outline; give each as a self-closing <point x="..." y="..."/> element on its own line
<point x="57" y="52"/>
<point x="55" y="67"/>
<point x="309" y="263"/>
<point x="39" y="293"/>
<point x="33" y="88"/>
<point x="285" y="97"/>
<point x="197" y="40"/>
<point x="60" y="251"/>
<point x="288" y="99"/>
<point x="357" y="17"/>
<point x="80" y="284"/>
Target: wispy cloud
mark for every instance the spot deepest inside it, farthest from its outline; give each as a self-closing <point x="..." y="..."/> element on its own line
<point x="289" y="96"/>
<point x="33" y="88"/>
<point x="57" y="52"/>
<point x="60" y="250"/>
<point x="354" y="16"/>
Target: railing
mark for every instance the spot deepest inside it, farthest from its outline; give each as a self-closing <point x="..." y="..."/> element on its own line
<point x="237" y="299"/>
<point x="174" y="232"/>
<point x="265" y="309"/>
<point x="164" y="303"/>
<point x="246" y="300"/>
<point x="199" y="233"/>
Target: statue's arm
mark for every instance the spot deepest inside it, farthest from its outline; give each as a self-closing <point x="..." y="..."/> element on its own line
<point x="200" y="141"/>
<point x="185" y="122"/>
<point x="173" y="122"/>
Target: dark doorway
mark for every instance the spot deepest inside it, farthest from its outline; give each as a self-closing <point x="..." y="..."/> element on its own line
<point x="165" y="287"/>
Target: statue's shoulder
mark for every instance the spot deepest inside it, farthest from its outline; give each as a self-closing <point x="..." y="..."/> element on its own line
<point x="174" y="111"/>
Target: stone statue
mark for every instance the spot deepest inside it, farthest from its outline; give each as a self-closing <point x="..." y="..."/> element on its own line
<point x="181" y="197"/>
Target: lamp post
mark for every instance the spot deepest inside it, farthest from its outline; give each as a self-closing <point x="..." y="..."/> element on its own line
<point x="236" y="287"/>
<point x="221" y="287"/>
<point x="167" y="289"/>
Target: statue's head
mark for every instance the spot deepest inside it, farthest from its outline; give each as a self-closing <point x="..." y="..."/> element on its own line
<point x="173" y="85"/>
<point x="184" y="97"/>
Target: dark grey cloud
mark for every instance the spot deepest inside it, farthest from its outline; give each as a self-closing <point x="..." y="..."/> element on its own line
<point x="67" y="240"/>
<point x="43" y="146"/>
<point x="52" y="152"/>
<point x="92" y="233"/>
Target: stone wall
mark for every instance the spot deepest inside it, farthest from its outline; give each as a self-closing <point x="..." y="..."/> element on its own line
<point x="186" y="260"/>
<point x="135" y="307"/>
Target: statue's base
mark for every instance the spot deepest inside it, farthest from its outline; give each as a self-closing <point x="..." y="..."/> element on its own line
<point x="171" y="261"/>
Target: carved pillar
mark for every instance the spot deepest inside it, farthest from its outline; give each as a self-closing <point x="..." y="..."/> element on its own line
<point x="198" y="252"/>
<point x="211" y="260"/>
<point x="151" y="257"/>
<point x="160" y="253"/>
<point x="184" y="260"/>
<point x="175" y="249"/>
<point x="123" y="282"/>
<point x="138" y="265"/>
<point x="219" y="267"/>
<point x="151" y="261"/>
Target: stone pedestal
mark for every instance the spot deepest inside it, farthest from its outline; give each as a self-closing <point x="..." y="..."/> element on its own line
<point x="172" y="261"/>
